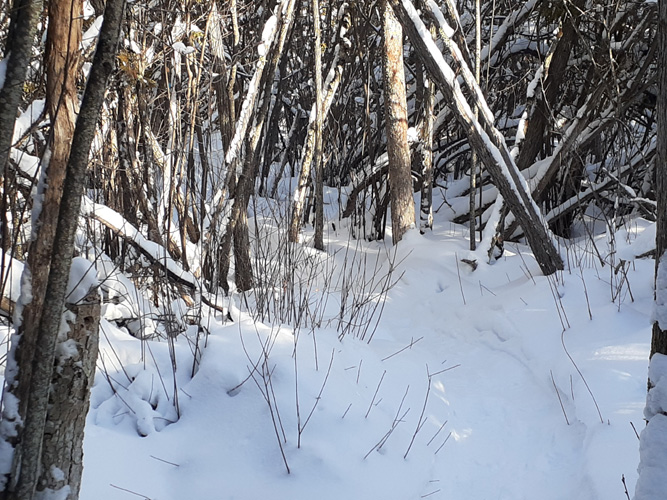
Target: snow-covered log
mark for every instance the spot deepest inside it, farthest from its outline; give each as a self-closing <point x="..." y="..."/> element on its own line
<point x="154" y="252"/>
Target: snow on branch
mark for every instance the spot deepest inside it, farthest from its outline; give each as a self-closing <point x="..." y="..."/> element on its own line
<point x="482" y="134"/>
<point x="154" y="252"/>
<point x="507" y="27"/>
<point x="268" y="35"/>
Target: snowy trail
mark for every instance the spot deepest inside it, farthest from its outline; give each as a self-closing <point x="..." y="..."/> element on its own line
<point x="509" y="436"/>
<point x="492" y="426"/>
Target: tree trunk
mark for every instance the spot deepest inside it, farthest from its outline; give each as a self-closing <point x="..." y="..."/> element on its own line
<point x="236" y="234"/>
<point x="483" y="136"/>
<point x="474" y="160"/>
<point x="659" y="339"/>
<point x="62" y="64"/>
<point x="543" y="112"/>
<point x="69" y="399"/>
<point x="319" y="166"/>
<point x="652" y="469"/>
<point x="20" y="43"/>
<point x="426" y="146"/>
<point x="216" y="257"/>
<point x="396" y="120"/>
<point x="28" y="459"/>
<point x="332" y="83"/>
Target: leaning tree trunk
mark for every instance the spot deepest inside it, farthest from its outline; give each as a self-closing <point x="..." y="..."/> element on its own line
<point x="482" y="134"/>
<point x="29" y="460"/>
<point x="546" y="99"/>
<point x="396" y="121"/>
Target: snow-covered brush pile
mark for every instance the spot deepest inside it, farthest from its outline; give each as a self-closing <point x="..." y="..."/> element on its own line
<point x="492" y="383"/>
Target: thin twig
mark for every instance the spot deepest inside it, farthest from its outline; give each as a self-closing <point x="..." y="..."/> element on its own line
<point x="421" y="416"/>
<point x="130" y="491"/>
<point x="165" y="461"/>
<point x="558" y="395"/>
<point x="438" y="432"/>
<point x="409" y="346"/>
<point x="445" y="370"/>
<point x="376" y="393"/>
<point x="432" y="493"/>
<point x="384" y="439"/>
<point x="458" y="272"/>
<point x="562" y="340"/>
<point x="625" y="486"/>
<point x="319" y="396"/>
<point x="443" y="444"/>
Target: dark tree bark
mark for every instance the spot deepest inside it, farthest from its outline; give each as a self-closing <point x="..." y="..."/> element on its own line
<point x="20" y="43"/>
<point x="319" y="166"/>
<point x="652" y="469"/>
<point x="659" y="338"/>
<point x="28" y="458"/>
<point x="69" y="399"/>
<point x="18" y="48"/>
<point x="396" y="121"/>
<point x="62" y="64"/>
<point x="546" y="99"/>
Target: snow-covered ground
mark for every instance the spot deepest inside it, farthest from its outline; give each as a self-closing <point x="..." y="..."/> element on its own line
<point x="497" y="383"/>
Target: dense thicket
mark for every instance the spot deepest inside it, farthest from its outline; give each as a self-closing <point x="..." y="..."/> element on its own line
<point x="212" y="102"/>
<point x="219" y="109"/>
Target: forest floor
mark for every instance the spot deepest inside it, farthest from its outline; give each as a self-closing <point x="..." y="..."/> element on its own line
<point x="497" y="383"/>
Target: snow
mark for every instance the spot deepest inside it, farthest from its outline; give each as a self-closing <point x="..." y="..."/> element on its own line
<point x="11" y="276"/>
<point x="444" y="26"/>
<point x="270" y="29"/>
<point x="91" y="34"/>
<point x="507" y="25"/>
<point x="82" y="279"/>
<point x="267" y="36"/>
<point x="28" y="118"/>
<point x="157" y="252"/>
<point x="494" y="383"/>
<point x="465" y="390"/>
<point x="652" y="481"/>
<point x="660" y="309"/>
<point x="530" y="92"/>
<point x="28" y="164"/>
<point x="181" y="48"/>
<point x="3" y="71"/>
